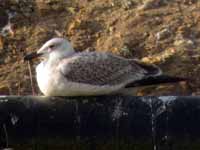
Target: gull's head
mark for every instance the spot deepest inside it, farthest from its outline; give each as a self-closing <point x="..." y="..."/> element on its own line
<point x="55" y="49"/>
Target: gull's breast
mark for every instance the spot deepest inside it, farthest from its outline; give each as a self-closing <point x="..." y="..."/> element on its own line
<point x="45" y="78"/>
<point x="41" y="76"/>
<point x="52" y="83"/>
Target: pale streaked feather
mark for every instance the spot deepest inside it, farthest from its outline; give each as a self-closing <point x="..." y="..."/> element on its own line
<point x="100" y="69"/>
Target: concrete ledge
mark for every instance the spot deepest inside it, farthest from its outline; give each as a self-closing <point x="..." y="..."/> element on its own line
<point x="103" y="122"/>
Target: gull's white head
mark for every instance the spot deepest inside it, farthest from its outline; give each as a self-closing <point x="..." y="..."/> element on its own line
<point x="56" y="49"/>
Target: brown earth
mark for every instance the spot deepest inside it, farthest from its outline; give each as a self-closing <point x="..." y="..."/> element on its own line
<point x="164" y="32"/>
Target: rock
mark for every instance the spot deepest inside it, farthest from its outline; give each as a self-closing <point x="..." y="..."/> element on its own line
<point x="50" y="6"/>
<point x="184" y="32"/>
<point x="127" y="4"/>
<point x="7" y="30"/>
<point x="150" y="4"/>
<point x="188" y="43"/>
<point x="14" y="2"/>
<point x="189" y="2"/>
<point x="4" y="90"/>
<point x="165" y="33"/>
<point x="7" y="59"/>
<point x="3" y="18"/>
<point x="125" y="51"/>
<point x="180" y="41"/>
<point x="5" y="23"/>
<point x="111" y="29"/>
<point x="1" y="43"/>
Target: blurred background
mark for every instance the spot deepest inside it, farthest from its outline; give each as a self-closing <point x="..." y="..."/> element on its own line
<point x="163" y="32"/>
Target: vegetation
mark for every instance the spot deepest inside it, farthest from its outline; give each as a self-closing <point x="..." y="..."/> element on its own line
<point x="164" y="32"/>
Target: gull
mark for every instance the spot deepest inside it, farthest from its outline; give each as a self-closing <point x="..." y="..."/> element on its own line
<point x="64" y="72"/>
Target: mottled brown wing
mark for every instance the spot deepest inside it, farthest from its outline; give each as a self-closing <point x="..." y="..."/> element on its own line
<point x="100" y="69"/>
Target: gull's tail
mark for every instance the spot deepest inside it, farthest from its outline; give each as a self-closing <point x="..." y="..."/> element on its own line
<point x="153" y="80"/>
<point x="151" y="69"/>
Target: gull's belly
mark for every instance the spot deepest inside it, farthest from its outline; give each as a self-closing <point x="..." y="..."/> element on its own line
<point x="67" y="88"/>
<point x="60" y="86"/>
<point x="53" y="83"/>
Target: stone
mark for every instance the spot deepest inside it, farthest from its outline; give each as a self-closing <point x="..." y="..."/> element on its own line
<point x="184" y="42"/>
<point x="150" y="4"/>
<point x="163" y="34"/>
<point x="3" y="18"/>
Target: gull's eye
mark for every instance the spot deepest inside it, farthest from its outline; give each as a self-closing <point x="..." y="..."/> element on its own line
<point x="51" y="46"/>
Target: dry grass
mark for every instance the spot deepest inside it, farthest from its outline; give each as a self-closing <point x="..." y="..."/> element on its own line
<point x="106" y="25"/>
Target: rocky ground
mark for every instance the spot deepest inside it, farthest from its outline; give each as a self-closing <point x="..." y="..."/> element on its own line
<point x="164" y="32"/>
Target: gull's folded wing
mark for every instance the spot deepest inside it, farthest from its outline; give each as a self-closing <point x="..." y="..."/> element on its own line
<point x="103" y="69"/>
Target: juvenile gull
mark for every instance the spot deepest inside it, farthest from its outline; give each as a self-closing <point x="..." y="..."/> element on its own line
<point x="63" y="72"/>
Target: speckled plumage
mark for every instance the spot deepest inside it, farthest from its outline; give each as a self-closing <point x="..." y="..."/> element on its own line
<point x="100" y="69"/>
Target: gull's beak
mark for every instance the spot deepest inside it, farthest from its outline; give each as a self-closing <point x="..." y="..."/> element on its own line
<point x="37" y="54"/>
<point x="32" y="55"/>
<point x="41" y="52"/>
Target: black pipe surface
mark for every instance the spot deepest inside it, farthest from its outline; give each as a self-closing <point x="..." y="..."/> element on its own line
<point x="101" y="123"/>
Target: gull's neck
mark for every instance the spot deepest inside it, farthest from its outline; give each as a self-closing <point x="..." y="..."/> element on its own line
<point x="54" y="59"/>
